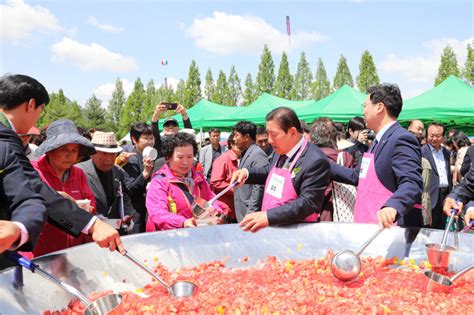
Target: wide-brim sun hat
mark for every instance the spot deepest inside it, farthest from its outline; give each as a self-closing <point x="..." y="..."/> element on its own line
<point x="106" y="142"/>
<point x="62" y="132"/>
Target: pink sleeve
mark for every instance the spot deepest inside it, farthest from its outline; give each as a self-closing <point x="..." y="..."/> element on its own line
<point x="219" y="174"/>
<point x="158" y="207"/>
<point x="208" y="195"/>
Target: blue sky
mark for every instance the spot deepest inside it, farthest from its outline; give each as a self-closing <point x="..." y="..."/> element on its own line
<point x="84" y="46"/>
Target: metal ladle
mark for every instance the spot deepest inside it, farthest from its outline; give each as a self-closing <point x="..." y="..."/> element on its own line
<point x="346" y="265"/>
<point x="178" y="289"/>
<point x="200" y="206"/>
<point x="440" y="283"/>
<point x="102" y="306"/>
<point x="439" y="254"/>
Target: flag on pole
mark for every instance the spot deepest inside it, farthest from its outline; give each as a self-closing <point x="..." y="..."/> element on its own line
<point x="288" y="28"/>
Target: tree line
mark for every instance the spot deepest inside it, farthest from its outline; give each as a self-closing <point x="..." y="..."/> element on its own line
<point x="122" y="111"/>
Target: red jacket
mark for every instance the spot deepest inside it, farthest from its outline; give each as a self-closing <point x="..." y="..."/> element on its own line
<point x="51" y="238"/>
<point x="222" y="170"/>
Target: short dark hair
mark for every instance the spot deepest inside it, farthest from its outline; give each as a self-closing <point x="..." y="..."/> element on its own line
<point x="181" y="139"/>
<point x="356" y="123"/>
<point x="305" y="126"/>
<point x="261" y="130"/>
<point x="437" y="124"/>
<point x="15" y="89"/>
<point x="245" y="127"/>
<point x="214" y="130"/>
<point x="324" y="133"/>
<point x="139" y="129"/>
<point x="461" y="140"/>
<point x="411" y="122"/>
<point x="389" y="94"/>
<point x="286" y="118"/>
<point x="230" y="140"/>
<point x="341" y="134"/>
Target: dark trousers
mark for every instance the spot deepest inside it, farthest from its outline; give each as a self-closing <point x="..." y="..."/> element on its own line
<point x="439" y="218"/>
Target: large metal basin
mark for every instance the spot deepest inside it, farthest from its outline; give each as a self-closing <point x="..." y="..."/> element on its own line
<point x="90" y="268"/>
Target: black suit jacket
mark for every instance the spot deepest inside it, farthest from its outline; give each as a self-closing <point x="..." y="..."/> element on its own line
<point x="434" y="179"/>
<point x="464" y="192"/>
<point x="309" y="183"/>
<point x="398" y="167"/>
<point x="136" y="184"/>
<point x="18" y="202"/>
<point x="468" y="160"/>
<point x="61" y="212"/>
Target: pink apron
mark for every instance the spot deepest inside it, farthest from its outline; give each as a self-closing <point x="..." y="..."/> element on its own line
<point x="371" y="193"/>
<point x="279" y="188"/>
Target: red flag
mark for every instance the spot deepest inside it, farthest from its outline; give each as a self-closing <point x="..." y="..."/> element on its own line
<point x="288" y="28"/>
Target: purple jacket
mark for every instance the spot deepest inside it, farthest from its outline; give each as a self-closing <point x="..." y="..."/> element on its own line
<point x="167" y="204"/>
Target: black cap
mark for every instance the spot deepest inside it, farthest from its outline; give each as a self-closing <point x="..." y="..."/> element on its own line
<point x="170" y="120"/>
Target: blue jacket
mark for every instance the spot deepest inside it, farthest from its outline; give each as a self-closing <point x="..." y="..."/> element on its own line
<point x="398" y="167"/>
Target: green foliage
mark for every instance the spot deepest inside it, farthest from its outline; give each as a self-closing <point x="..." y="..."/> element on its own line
<point x="468" y="73"/>
<point x="234" y="90"/>
<point x="321" y="85"/>
<point x="209" y="85"/>
<point x="266" y="73"/>
<point x="343" y="74"/>
<point x="75" y="114"/>
<point x="448" y="65"/>
<point x="367" y="72"/>
<point x="249" y="94"/>
<point x="116" y="104"/>
<point x="193" y="86"/>
<point x="180" y="92"/>
<point x="133" y="108"/>
<point x="221" y="92"/>
<point x="284" y="81"/>
<point x="94" y="115"/>
<point x="56" y="109"/>
<point x="150" y="99"/>
<point x="303" y="80"/>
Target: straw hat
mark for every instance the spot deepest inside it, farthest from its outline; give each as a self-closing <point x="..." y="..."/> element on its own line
<point x="105" y="142"/>
<point x="62" y="132"/>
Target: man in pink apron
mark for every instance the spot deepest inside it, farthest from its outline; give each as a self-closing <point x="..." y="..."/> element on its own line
<point x="389" y="182"/>
<point x="295" y="180"/>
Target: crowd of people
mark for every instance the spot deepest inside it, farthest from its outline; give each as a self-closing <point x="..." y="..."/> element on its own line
<point x="64" y="187"/>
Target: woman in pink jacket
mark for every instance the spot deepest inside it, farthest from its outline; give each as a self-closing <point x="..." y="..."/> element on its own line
<point x="174" y="187"/>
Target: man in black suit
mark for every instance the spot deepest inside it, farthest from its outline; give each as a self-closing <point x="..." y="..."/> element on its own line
<point x="463" y="194"/>
<point x="309" y="175"/>
<point x="395" y="189"/>
<point x="22" y="99"/>
<point x="441" y="181"/>
<point x="22" y="212"/>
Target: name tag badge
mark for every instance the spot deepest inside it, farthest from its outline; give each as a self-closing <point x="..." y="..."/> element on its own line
<point x="275" y="186"/>
<point x="364" y="167"/>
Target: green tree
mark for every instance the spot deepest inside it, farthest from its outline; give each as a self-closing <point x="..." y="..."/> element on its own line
<point x="209" y="85"/>
<point x="116" y="104"/>
<point x="343" y="74"/>
<point x="150" y="97"/>
<point x="303" y="80"/>
<point x="468" y="72"/>
<point x="75" y="114"/>
<point x="448" y="65"/>
<point x="266" y="73"/>
<point x="56" y="109"/>
<point x="367" y="72"/>
<point x="234" y="89"/>
<point x="94" y="114"/>
<point x="221" y="92"/>
<point x="133" y="108"/>
<point x="193" y="86"/>
<point x="321" y="85"/>
<point x="284" y="81"/>
<point x="249" y="94"/>
<point x="180" y="92"/>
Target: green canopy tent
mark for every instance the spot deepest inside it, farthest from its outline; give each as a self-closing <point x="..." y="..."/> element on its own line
<point x="206" y="114"/>
<point x="451" y="103"/>
<point x="342" y="105"/>
<point x="258" y="110"/>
